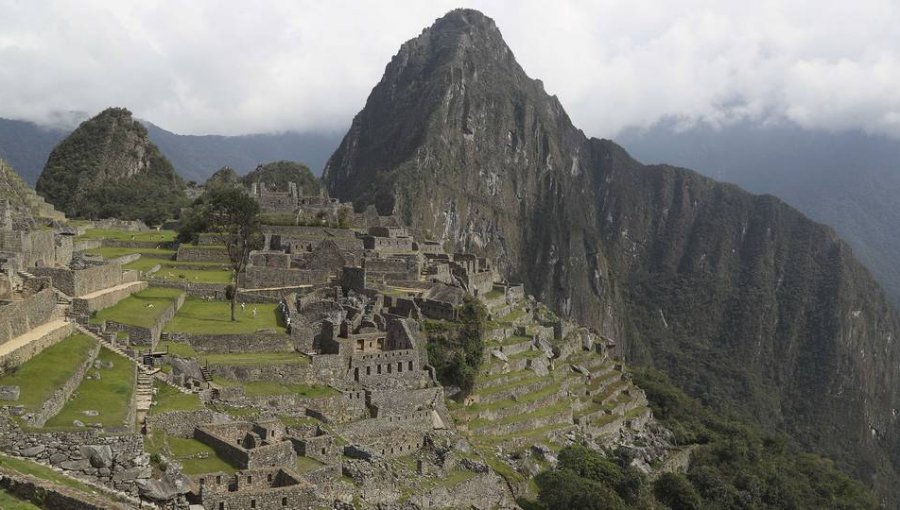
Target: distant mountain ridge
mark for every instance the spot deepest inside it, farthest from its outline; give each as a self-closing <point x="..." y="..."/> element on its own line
<point x="848" y="180"/>
<point x="26" y="146"/>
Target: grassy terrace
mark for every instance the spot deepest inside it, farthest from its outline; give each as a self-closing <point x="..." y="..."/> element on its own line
<point x="161" y="236"/>
<point x="236" y="359"/>
<point x="110" y="395"/>
<point x="543" y="412"/>
<point x="256" y="358"/>
<point x="182" y="450"/>
<point x="307" y="464"/>
<point x="10" y="502"/>
<point x="140" y="309"/>
<point x="168" y="272"/>
<point x="169" y="399"/>
<point x="112" y="252"/>
<point x="272" y="388"/>
<point x="214" y="318"/>
<point x="27" y="467"/>
<point x="40" y="376"/>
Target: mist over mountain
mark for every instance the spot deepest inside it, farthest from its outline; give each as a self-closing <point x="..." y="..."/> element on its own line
<point x="197" y="157"/>
<point x="26" y="146"/>
<point x="848" y="180"/>
<point x="748" y="304"/>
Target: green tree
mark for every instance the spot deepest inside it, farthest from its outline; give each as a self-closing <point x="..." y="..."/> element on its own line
<point x="676" y="492"/>
<point x="456" y="351"/>
<point x="235" y="216"/>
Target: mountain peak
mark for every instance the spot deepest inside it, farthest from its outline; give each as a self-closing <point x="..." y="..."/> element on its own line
<point x="109" y="167"/>
<point x="677" y="269"/>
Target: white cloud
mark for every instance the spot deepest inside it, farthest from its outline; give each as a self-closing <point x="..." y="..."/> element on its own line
<point x="239" y="67"/>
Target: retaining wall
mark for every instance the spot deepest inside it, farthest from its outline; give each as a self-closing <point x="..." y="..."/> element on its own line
<point x="61" y="395"/>
<point x="20" y="317"/>
<point x="31" y="349"/>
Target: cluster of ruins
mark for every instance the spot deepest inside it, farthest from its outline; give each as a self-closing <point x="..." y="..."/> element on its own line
<point x="352" y="302"/>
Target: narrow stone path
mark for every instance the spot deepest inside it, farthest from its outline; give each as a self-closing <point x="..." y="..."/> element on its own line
<point x="35" y="334"/>
<point x="115" y="288"/>
<point x="142" y="369"/>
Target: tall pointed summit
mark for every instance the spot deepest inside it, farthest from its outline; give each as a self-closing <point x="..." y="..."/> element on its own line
<point x="748" y="304"/>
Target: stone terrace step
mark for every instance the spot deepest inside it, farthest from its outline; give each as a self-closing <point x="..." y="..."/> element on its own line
<point x="155" y="373"/>
<point x="559" y="413"/>
<point x="546" y="396"/>
<point x="513" y="390"/>
<point x="483" y="383"/>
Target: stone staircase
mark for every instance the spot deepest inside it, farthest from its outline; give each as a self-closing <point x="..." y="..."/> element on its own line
<point x="142" y="369"/>
<point x="207" y="377"/>
<point x="143" y="392"/>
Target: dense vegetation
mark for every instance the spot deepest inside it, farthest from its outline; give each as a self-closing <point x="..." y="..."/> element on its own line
<point x="732" y="466"/>
<point x="280" y="173"/>
<point x="109" y="168"/>
<point x="456" y="350"/>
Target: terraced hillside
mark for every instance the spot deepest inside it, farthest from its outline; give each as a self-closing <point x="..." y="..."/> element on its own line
<point x="538" y="391"/>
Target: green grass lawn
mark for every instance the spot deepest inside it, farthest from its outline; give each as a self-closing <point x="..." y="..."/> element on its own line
<point x="146" y="263"/>
<point x="214" y="318"/>
<point x="162" y="236"/>
<point x="180" y="448"/>
<point x="10" y="502"/>
<point x="110" y="395"/>
<point x="255" y="358"/>
<point x="177" y="349"/>
<point x="136" y="310"/>
<point x="272" y="388"/>
<point x="113" y="252"/>
<point x="169" y="399"/>
<point x="307" y="464"/>
<point x="167" y="272"/>
<point x="27" y="467"/>
<point x="40" y="376"/>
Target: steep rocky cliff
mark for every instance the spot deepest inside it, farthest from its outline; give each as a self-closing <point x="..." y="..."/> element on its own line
<point x="748" y="304"/>
<point x="108" y="167"/>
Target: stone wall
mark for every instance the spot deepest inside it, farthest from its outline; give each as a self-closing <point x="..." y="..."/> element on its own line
<point x="322" y="448"/>
<point x="438" y="310"/>
<point x="61" y="395"/>
<point x="402" y="401"/>
<point x="31" y="349"/>
<point x="280" y="372"/>
<point x="20" y="317"/>
<point x="191" y="253"/>
<point x="300" y="496"/>
<point x="78" y="282"/>
<point x="251" y="342"/>
<point x="87" y="244"/>
<point x="373" y="367"/>
<point x="117" y="224"/>
<point x="353" y="278"/>
<point x="257" y="277"/>
<point x="139" y="335"/>
<point x="38" y="247"/>
<point x="115" y="461"/>
<point x="82" y="306"/>
<point x="277" y="454"/>
<point x="183" y="423"/>
<point x="52" y="496"/>
<point x="193" y="289"/>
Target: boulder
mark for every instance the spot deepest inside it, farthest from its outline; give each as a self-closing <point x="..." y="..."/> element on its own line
<point x="100" y="456"/>
<point x="9" y="393"/>
<point x="75" y="465"/>
<point x="34" y="451"/>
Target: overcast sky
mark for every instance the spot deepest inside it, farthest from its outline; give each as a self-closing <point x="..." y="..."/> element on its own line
<point x="242" y="66"/>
